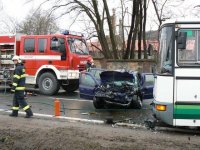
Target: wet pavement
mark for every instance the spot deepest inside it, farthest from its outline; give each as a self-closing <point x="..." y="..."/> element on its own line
<point x="73" y="106"/>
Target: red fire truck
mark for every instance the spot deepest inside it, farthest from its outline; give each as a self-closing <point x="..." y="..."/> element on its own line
<point x="51" y="61"/>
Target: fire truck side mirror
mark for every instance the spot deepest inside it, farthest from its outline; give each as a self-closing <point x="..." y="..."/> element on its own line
<point x="181" y="40"/>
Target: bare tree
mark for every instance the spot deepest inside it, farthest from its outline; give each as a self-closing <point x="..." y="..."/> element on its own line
<point x="98" y="13"/>
<point x="140" y="30"/>
<point x="1" y="5"/>
<point x="38" y="23"/>
<point x="159" y="13"/>
<point x="112" y="36"/>
<point x="163" y="9"/>
<point x="144" y="29"/>
<point x="130" y="35"/>
<point x="8" y="24"/>
<point x="121" y="26"/>
<point x="137" y="30"/>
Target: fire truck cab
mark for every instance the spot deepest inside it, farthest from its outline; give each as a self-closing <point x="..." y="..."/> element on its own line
<point x="51" y="61"/>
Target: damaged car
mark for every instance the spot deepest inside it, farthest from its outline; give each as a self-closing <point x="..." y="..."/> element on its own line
<point x="118" y="88"/>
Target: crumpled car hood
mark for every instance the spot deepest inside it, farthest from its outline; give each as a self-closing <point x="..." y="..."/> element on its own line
<point x="110" y="76"/>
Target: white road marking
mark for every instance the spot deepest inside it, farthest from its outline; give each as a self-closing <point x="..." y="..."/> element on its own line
<point x="71" y="99"/>
<point x="60" y="117"/>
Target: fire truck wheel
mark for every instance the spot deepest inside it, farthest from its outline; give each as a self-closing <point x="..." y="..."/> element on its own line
<point x="48" y="84"/>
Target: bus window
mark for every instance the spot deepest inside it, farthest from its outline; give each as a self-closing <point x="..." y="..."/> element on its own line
<point x="191" y="54"/>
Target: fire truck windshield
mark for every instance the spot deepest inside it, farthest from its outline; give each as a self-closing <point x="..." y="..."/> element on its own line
<point x="78" y="46"/>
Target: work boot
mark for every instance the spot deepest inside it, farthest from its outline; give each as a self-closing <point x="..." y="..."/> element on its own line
<point x="14" y="113"/>
<point x="29" y="113"/>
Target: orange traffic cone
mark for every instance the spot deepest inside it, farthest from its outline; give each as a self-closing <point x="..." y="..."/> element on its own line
<point x="57" y="107"/>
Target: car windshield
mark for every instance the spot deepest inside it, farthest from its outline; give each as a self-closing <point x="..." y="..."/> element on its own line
<point x="120" y="83"/>
<point x="96" y="73"/>
<point x="118" y="77"/>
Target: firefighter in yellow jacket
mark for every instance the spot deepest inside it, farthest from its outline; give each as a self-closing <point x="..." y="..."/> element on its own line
<point x="18" y="88"/>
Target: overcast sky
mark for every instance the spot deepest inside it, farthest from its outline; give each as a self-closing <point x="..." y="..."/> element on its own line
<point x="18" y="9"/>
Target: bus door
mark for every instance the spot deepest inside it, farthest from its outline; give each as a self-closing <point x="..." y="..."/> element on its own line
<point x="187" y="79"/>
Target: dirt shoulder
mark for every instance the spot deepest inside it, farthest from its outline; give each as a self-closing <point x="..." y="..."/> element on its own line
<point x="41" y="133"/>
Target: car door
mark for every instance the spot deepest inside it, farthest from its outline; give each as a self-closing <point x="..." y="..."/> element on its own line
<point x="147" y="85"/>
<point x="87" y="84"/>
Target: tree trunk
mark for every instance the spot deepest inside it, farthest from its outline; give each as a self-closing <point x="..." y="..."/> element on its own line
<point x="122" y="29"/>
<point x="129" y="42"/>
<point x="100" y="32"/>
<point x="135" y="32"/>
<point x="112" y="36"/>
<point x="144" y="30"/>
<point x="140" y="32"/>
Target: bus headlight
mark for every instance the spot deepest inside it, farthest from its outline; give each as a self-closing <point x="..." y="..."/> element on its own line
<point x="161" y="107"/>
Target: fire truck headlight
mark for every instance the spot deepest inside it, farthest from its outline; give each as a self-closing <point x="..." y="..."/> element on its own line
<point x="161" y="107"/>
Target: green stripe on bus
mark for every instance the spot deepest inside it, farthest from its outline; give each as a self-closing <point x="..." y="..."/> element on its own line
<point x="186" y="112"/>
<point x="187" y="106"/>
<point x="189" y="111"/>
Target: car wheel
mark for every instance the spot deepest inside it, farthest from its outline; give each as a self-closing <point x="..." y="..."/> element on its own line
<point x="98" y="103"/>
<point x="136" y="102"/>
<point x="48" y="84"/>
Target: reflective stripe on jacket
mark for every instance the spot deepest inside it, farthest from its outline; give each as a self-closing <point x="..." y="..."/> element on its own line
<point x="19" y="78"/>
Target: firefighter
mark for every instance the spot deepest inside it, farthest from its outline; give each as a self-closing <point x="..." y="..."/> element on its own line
<point x="90" y="64"/>
<point x="18" y="88"/>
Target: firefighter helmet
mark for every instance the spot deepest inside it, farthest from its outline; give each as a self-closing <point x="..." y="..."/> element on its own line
<point x="17" y="58"/>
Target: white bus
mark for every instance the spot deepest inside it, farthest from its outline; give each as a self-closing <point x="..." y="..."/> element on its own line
<point x="177" y="81"/>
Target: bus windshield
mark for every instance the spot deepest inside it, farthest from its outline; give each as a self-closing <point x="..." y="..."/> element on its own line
<point x="165" y="50"/>
<point x="78" y="46"/>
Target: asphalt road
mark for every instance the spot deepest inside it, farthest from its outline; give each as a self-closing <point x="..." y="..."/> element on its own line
<point x="73" y="106"/>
